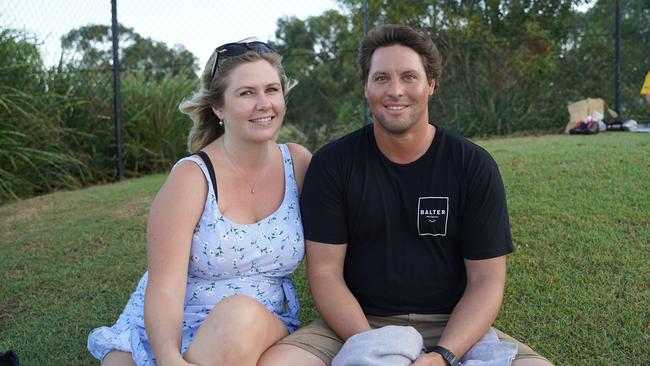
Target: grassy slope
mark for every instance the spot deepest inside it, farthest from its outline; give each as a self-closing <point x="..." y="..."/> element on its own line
<point x="578" y="284"/>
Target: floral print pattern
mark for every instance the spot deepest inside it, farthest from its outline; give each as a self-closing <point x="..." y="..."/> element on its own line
<point x="226" y="258"/>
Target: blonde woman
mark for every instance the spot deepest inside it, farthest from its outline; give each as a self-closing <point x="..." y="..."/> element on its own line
<point x="224" y="232"/>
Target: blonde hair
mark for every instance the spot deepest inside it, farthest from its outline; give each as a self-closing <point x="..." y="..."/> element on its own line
<point x="206" y="126"/>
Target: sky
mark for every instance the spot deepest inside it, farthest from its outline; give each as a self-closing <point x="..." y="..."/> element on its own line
<point x="199" y="25"/>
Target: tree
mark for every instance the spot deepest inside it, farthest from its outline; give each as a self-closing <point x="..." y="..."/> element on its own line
<point x="589" y="55"/>
<point x="320" y="53"/>
<point x="499" y="58"/>
<point x="90" y="47"/>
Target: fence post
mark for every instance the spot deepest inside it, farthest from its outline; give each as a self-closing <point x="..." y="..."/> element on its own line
<point x="116" y="90"/>
<point x="617" y="73"/>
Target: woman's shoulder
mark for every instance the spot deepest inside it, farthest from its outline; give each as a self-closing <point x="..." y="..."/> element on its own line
<point x="187" y="174"/>
<point x="299" y="154"/>
<point x="187" y="167"/>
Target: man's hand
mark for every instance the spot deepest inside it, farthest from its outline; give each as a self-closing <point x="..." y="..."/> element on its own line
<point x="429" y="359"/>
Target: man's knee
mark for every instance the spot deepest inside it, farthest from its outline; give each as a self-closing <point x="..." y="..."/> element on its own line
<point x="531" y="361"/>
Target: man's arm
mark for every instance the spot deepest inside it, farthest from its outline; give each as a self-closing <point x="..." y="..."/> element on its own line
<point x="476" y="310"/>
<point x="336" y="304"/>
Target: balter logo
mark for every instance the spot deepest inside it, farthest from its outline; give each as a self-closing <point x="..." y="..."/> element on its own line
<point x="432" y="215"/>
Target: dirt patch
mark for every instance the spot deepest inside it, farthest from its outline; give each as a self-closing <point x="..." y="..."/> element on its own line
<point x="138" y="207"/>
<point x="18" y="213"/>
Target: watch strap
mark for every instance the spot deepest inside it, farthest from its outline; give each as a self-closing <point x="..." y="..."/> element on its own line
<point x="446" y="354"/>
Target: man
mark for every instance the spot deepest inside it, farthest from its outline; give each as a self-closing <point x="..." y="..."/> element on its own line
<point x="405" y="223"/>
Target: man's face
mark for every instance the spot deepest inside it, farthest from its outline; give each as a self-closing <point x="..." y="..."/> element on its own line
<point x="397" y="89"/>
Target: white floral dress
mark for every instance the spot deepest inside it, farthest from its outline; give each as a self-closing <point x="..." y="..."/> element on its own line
<point x="226" y="259"/>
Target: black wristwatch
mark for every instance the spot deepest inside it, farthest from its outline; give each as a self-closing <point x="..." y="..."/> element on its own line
<point x="446" y="354"/>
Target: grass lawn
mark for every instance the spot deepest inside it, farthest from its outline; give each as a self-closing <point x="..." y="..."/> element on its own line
<point x="578" y="287"/>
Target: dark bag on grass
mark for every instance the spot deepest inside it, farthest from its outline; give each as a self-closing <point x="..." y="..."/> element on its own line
<point x="585" y="127"/>
<point x="9" y="358"/>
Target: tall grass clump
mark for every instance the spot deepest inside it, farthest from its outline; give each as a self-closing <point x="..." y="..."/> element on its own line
<point x="32" y="139"/>
<point x="57" y="127"/>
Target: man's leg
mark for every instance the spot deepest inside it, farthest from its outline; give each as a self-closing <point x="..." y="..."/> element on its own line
<point x="289" y="355"/>
<point x="312" y="345"/>
<point x="526" y="356"/>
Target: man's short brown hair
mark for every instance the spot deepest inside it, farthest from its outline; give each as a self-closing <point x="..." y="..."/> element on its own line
<point x="389" y="35"/>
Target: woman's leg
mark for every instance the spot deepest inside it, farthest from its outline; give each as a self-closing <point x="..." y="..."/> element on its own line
<point x="118" y="358"/>
<point x="236" y="332"/>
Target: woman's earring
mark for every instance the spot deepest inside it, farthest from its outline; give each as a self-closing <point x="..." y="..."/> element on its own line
<point x="221" y="123"/>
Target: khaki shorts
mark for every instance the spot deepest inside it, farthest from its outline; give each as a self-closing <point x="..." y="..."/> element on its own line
<point x="317" y="338"/>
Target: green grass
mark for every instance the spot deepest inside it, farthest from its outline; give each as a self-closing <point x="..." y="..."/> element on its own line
<point x="578" y="287"/>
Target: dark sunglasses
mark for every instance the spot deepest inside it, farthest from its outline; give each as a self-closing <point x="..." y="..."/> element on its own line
<point x="237" y="49"/>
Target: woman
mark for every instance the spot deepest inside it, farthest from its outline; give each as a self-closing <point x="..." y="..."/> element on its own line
<point x="224" y="231"/>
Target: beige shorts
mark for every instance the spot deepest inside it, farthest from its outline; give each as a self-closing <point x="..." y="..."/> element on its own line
<point x="317" y="338"/>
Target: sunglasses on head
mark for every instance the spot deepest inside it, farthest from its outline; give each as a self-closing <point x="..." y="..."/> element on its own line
<point x="237" y="49"/>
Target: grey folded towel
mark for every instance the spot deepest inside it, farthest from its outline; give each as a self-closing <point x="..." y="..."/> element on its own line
<point x="490" y="351"/>
<point x="400" y="345"/>
<point x="391" y="345"/>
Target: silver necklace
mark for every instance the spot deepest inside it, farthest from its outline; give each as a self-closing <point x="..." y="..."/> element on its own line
<point x="252" y="187"/>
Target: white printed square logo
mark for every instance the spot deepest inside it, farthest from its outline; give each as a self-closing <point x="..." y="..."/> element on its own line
<point x="432" y="215"/>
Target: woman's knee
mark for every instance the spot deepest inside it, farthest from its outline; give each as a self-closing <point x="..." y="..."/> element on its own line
<point x="237" y="328"/>
<point x="242" y="313"/>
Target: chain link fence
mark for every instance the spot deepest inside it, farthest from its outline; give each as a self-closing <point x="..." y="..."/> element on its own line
<point x="505" y="70"/>
<point x="197" y="25"/>
<point x="57" y="56"/>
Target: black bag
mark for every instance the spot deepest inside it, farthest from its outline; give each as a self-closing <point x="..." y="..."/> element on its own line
<point x="9" y="358"/>
<point x="588" y="127"/>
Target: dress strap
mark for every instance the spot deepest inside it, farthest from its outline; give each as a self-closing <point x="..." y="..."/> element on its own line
<point x="288" y="163"/>
<point x="208" y="164"/>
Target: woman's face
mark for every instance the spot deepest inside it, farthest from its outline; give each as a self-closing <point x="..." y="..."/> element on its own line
<point x="253" y="105"/>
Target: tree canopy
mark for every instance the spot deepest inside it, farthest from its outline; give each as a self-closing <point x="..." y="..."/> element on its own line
<point x="508" y="66"/>
<point x="90" y="47"/>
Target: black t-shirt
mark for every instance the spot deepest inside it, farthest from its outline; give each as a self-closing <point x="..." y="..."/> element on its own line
<point x="407" y="226"/>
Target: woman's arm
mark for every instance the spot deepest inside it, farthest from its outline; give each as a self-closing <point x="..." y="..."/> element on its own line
<point x="173" y="216"/>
